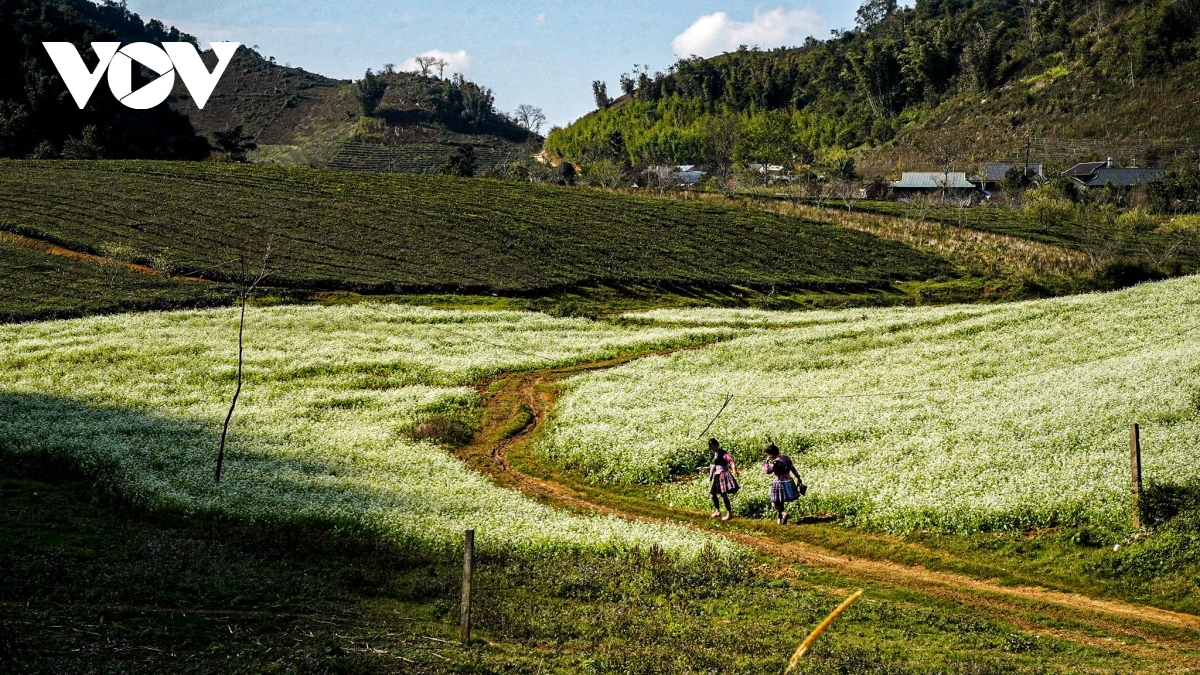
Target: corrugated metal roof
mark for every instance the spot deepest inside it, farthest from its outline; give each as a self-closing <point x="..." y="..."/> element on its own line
<point x="994" y="172"/>
<point x="1122" y="177"/>
<point x="933" y="180"/>
<point x="1085" y="169"/>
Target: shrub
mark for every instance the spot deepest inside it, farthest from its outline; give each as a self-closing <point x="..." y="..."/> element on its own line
<point x="443" y="430"/>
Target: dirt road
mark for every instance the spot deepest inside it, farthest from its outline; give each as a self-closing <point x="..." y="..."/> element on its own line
<point x="517" y="406"/>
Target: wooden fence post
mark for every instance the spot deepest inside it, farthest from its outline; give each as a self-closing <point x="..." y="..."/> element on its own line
<point x="1135" y="462"/>
<point x="465" y="609"/>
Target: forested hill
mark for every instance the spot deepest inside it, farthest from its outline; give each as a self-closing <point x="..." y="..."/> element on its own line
<point x="968" y="79"/>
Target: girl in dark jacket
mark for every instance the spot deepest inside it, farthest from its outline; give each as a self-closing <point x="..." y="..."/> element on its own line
<point x="784" y="489"/>
<point x="723" y="474"/>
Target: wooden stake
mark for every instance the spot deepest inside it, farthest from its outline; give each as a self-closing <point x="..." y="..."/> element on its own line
<point x="1135" y="462"/>
<point x="465" y="609"/>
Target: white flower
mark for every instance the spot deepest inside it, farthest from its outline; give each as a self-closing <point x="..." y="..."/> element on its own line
<point x="1017" y="415"/>
<point x="137" y="400"/>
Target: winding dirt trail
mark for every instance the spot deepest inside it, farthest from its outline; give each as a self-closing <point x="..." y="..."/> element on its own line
<point x="517" y="406"/>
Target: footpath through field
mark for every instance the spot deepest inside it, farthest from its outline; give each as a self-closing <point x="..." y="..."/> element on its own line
<point x="516" y="407"/>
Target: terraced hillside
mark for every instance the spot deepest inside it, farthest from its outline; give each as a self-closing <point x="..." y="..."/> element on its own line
<point x="401" y="233"/>
<point x="417" y="157"/>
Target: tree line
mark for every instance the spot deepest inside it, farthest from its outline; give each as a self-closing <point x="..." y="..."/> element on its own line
<point x="862" y="86"/>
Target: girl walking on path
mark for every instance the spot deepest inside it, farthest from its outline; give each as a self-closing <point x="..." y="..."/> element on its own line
<point x="723" y="474"/>
<point x="784" y="489"/>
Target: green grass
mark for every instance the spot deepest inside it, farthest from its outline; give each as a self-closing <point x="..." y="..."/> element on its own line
<point x="403" y="233"/>
<point x="36" y="285"/>
<point x="88" y="585"/>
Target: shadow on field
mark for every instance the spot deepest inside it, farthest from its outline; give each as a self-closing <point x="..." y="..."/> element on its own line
<point x="1165" y="503"/>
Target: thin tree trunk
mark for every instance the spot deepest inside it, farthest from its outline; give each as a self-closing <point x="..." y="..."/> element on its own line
<point x="236" y="392"/>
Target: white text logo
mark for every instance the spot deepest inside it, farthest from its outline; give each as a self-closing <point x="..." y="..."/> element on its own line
<point x="172" y="57"/>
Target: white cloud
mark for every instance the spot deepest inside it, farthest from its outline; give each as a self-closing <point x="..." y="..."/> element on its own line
<point x="457" y="62"/>
<point x="541" y="19"/>
<point x="716" y="33"/>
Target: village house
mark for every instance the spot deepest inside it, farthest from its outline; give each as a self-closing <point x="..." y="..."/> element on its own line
<point x="991" y="173"/>
<point x="952" y="186"/>
<point x="1106" y="173"/>
<point x="682" y="175"/>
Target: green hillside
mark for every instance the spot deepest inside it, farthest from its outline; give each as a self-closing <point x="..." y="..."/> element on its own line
<point x="406" y="233"/>
<point x="296" y="117"/>
<point x="961" y="81"/>
<point x="299" y="118"/>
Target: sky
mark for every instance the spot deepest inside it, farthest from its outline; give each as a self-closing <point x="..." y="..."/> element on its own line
<point x="541" y="52"/>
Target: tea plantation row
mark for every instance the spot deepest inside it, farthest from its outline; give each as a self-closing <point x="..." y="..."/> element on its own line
<point x="334" y="230"/>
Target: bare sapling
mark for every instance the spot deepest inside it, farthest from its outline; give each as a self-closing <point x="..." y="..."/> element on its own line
<point x="249" y="271"/>
<point x="851" y="193"/>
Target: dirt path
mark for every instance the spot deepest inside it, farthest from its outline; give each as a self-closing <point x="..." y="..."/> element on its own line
<point x="516" y="408"/>
<point x="54" y="249"/>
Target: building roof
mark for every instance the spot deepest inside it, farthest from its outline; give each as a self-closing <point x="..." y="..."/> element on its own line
<point x="994" y="172"/>
<point x="1122" y="177"/>
<point x="933" y="180"/>
<point x="1084" y="169"/>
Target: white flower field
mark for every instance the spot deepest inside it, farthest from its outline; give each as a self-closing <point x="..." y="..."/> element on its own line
<point x="137" y="400"/>
<point x="954" y="419"/>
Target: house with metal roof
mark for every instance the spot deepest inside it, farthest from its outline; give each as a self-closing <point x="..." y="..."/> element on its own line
<point x="992" y="173"/>
<point x="682" y="175"/>
<point x="1101" y="174"/>
<point x="944" y="185"/>
<point x="1125" y="177"/>
<point x="1085" y="171"/>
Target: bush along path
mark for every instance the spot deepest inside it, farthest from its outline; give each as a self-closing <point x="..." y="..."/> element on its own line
<point x="516" y="407"/>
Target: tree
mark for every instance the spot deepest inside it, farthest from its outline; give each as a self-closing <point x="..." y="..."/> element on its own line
<point x="600" y="92"/>
<point x="425" y="63"/>
<point x="529" y="117"/>
<point x="85" y="147"/>
<point x="1177" y="192"/>
<point x="1047" y="209"/>
<point x="460" y="163"/>
<point x="873" y="12"/>
<point x="628" y="84"/>
<point x="981" y="58"/>
<point x="721" y="135"/>
<point x="877" y="68"/>
<point x="477" y="102"/>
<point x="370" y="91"/>
<point x="247" y="268"/>
<point x="441" y="64"/>
<point x="234" y="143"/>
<point x="1016" y="181"/>
<point x="765" y="138"/>
<point x="605" y="173"/>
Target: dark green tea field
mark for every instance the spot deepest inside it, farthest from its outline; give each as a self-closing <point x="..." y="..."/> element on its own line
<point x="333" y="230"/>
<point x="37" y="285"/>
